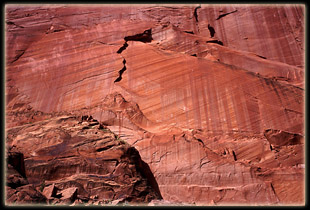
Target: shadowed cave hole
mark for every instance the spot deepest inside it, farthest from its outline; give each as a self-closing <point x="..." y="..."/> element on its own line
<point x="145" y="37"/>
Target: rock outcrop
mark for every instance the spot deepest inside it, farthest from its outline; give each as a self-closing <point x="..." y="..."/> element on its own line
<point x="194" y="104"/>
<point x="70" y="159"/>
<point x="18" y="190"/>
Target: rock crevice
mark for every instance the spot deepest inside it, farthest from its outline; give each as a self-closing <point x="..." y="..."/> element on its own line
<point x="145" y="37"/>
<point x="196" y="13"/>
<point x="223" y="15"/>
<point x="119" y="78"/>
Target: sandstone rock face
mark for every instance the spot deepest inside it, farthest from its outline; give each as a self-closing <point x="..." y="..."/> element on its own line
<point x="76" y="160"/>
<point x="210" y="96"/>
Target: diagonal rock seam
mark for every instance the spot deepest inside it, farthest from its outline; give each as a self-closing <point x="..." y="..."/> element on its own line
<point x="14" y="24"/>
<point x="223" y="15"/>
<point x="263" y="57"/>
<point x="18" y="56"/>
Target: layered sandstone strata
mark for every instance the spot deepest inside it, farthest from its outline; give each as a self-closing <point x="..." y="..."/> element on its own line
<point x="212" y="96"/>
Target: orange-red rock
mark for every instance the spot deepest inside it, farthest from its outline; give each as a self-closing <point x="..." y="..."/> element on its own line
<point x="212" y="96"/>
<point x="68" y="159"/>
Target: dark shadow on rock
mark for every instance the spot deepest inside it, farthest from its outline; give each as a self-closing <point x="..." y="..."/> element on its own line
<point x="144" y="169"/>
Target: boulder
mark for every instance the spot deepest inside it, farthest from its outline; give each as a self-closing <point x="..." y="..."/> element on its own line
<point x="50" y="191"/>
<point x="69" y="194"/>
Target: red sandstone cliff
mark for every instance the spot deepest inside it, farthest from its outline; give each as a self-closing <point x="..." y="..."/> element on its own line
<point x="211" y="96"/>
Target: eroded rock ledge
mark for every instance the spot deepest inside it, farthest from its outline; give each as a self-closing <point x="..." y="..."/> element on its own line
<point x="68" y="159"/>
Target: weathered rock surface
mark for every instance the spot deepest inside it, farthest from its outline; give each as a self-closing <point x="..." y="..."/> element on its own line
<point x="281" y="138"/>
<point x="212" y="97"/>
<point x="76" y="160"/>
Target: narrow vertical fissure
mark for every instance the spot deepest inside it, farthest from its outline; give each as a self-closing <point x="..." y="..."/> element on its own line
<point x="211" y="30"/>
<point x="196" y="17"/>
<point x="234" y="154"/>
<point x="120" y="72"/>
<point x="195" y="13"/>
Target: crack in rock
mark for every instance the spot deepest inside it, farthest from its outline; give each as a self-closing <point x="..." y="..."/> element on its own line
<point x="201" y="163"/>
<point x="120" y="72"/>
<point x="105" y="43"/>
<point x="273" y="190"/>
<point x="18" y="56"/>
<point x="189" y="32"/>
<point x="14" y="24"/>
<point x="200" y="141"/>
<point x="196" y="17"/>
<point x="122" y="48"/>
<point x="234" y="154"/>
<point x="145" y="37"/>
<point x="215" y="42"/>
<point x="163" y="155"/>
<point x="211" y="30"/>
<point x="263" y="57"/>
<point x="195" y="13"/>
<point x="223" y="15"/>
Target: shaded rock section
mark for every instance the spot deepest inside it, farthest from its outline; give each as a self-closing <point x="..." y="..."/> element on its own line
<point x="18" y="190"/>
<point x="283" y="138"/>
<point x="145" y="37"/>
